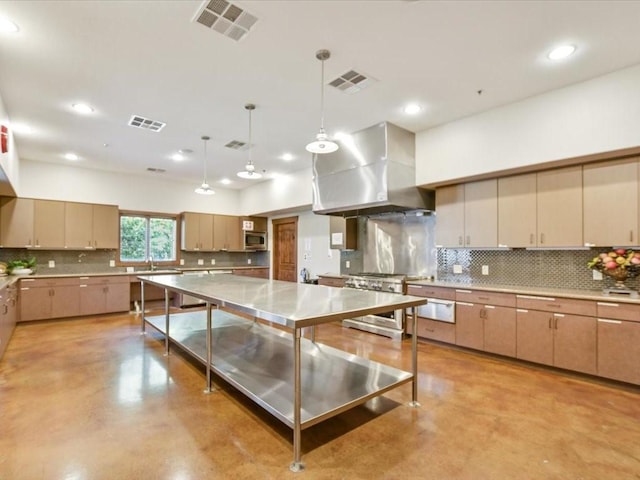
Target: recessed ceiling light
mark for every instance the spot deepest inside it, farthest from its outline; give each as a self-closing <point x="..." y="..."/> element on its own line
<point x="225" y="181"/>
<point x="561" y="52"/>
<point x="71" y="156"/>
<point x="82" y="108"/>
<point x="7" y="26"/>
<point x="412" y="109"/>
<point x="177" y="157"/>
<point x="287" y="157"/>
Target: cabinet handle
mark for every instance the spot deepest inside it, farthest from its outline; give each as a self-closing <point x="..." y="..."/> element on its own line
<point x="550" y="320"/>
<point x="463" y="291"/>
<point x="532" y="297"/>
<point x="531" y="239"/>
<point x="602" y="320"/>
<point x="483" y="313"/>
<point x="631" y="235"/>
<point x="483" y="298"/>
<point x="460" y="240"/>
<point x="468" y="239"/>
<point x="542" y="238"/>
<point x="606" y="304"/>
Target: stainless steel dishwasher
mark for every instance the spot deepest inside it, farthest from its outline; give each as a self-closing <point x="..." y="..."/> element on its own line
<point x="440" y="310"/>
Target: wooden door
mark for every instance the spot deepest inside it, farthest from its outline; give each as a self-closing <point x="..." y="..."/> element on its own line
<point x="450" y="216"/>
<point x="500" y="330"/>
<point x="16" y="222"/>
<point x="481" y="214"/>
<point x="575" y="343"/>
<point x="534" y="336"/>
<point x="559" y="205"/>
<point x="611" y="203"/>
<point x="618" y="352"/>
<point x="48" y="223"/>
<point x="106" y="226"/>
<point x="285" y="249"/>
<point x="78" y="225"/>
<point x="517" y="211"/>
<point x="469" y="325"/>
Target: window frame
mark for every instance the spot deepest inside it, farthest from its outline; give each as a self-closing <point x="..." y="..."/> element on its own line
<point x="148" y="215"/>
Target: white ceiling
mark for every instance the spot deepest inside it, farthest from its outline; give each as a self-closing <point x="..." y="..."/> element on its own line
<point x="150" y="58"/>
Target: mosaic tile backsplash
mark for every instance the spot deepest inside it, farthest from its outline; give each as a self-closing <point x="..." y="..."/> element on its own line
<point x="527" y="268"/>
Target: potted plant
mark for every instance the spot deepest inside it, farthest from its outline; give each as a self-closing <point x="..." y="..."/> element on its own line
<point x="21" y="267"/>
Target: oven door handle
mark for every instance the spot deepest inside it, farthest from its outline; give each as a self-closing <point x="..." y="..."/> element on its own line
<point x="446" y="303"/>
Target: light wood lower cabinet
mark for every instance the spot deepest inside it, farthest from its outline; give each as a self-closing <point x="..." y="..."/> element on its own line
<point x="49" y="298"/>
<point x="469" y="325"/>
<point x="252" y="272"/>
<point x="434" y="330"/>
<point x="8" y="315"/>
<point x="100" y="295"/>
<point x="561" y="340"/>
<point x="500" y="330"/>
<point x="331" y="281"/>
<point x="618" y="350"/>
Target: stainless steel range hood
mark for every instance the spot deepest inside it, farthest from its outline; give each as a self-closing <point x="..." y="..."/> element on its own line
<point x="372" y="172"/>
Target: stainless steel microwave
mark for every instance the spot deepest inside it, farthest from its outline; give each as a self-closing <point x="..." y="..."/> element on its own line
<point x="255" y="240"/>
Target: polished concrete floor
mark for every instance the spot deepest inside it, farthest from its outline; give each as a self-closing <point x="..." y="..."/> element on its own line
<point x="91" y="398"/>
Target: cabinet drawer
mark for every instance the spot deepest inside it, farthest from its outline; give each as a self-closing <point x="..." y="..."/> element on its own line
<point x="432" y="329"/>
<point x="48" y="282"/>
<point x="432" y="292"/>
<point x="563" y="305"/>
<point x="486" y="298"/>
<point x="106" y="280"/>
<point x="619" y="311"/>
<point x="331" y="282"/>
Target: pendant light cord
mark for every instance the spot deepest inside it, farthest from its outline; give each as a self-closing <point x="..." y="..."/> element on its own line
<point x="250" y="110"/>
<point x="204" y="139"/>
<point x="322" y="96"/>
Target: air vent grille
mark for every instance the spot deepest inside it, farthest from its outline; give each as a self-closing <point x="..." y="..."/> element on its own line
<point x="155" y="170"/>
<point x="145" y="123"/>
<point x="237" y="145"/>
<point x="352" y="82"/>
<point x="225" y="18"/>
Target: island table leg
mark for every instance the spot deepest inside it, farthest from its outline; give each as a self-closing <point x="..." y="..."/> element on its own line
<point x="209" y="333"/>
<point x="297" y="465"/>
<point x="414" y="358"/>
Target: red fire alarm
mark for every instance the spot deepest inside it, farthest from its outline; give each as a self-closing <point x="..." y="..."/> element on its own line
<point x="4" y="139"/>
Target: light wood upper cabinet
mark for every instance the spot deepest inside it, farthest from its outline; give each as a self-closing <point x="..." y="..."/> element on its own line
<point x="197" y="231"/>
<point x="517" y="211"/>
<point x="48" y="223"/>
<point x="542" y="209"/>
<point x="16" y="222"/>
<point x="78" y="225"/>
<point x="106" y="226"/>
<point x="559" y="207"/>
<point x="611" y="206"/>
<point x="467" y="215"/>
<point x="481" y="214"/>
<point x="227" y="232"/>
<point x="343" y="233"/>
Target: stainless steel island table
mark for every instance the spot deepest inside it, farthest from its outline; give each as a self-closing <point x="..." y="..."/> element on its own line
<point x="298" y="380"/>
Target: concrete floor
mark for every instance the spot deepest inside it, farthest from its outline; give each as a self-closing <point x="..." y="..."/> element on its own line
<point x="93" y="399"/>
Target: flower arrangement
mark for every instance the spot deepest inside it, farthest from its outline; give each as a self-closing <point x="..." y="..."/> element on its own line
<point x="619" y="264"/>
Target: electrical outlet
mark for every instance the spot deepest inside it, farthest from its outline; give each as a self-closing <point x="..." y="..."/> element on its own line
<point x="213" y="261"/>
<point x="52" y="264"/>
<point x="200" y="261"/>
<point x="248" y="261"/>
<point x="457" y="269"/>
<point x="347" y="264"/>
<point x="112" y="263"/>
<point x="485" y="269"/>
<point x="182" y="261"/>
<point x="597" y="275"/>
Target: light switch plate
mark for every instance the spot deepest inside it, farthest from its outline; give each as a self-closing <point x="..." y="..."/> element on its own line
<point x="213" y="261"/>
<point x="248" y="261"/>
<point x="52" y="264"/>
<point x="200" y="261"/>
<point x="182" y="261"/>
<point x="347" y="264"/>
<point x="457" y="269"/>
<point x="597" y="275"/>
<point x="112" y="263"/>
<point x="485" y="269"/>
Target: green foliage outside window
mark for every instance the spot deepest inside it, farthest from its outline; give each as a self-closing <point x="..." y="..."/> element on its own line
<point x="143" y="236"/>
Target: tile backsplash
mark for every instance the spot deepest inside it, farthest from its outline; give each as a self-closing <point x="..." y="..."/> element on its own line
<point x="528" y="268"/>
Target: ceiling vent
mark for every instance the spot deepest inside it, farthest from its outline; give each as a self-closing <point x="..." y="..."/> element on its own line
<point x="225" y="18"/>
<point x="237" y="145"/>
<point x="155" y="170"/>
<point x="145" y="123"/>
<point x="351" y="82"/>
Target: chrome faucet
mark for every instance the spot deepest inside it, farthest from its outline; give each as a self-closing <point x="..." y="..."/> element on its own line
<point x="151" y="263"/>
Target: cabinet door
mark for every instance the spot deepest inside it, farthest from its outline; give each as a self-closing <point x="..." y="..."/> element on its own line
<point x="190" y="231"/>
<point x="343" y="233"/>
<point x="92" y="299"/>
<point x="575" y="343"/>
<point x="78" y="225"/>
<point x="500" y="330"/>
<point x="48" y="225"/>
<point x="450" y="216"/>
<point x="16" y="222"/>
<point x="35" y="303"/>
<point x="234" y="233"/>
<point x="481" y="214"/>
<point x="619" y="350"/>
<point x="106" y="226"/>
<point x="65" y="301"/>
<point x="118" y="296"/>
<point x="206" y="231"/>
<point x="469" y="326"/>
<point x="611" y="203"/>
<point x="559" y="206"/>
<point x="534" y="336"/>
<point x="517" y="211"/>
<point x="219" y="232"/>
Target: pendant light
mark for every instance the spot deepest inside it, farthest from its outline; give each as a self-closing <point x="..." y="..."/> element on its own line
<point x="205" y="189"/>
<point x="322" y="144"/>
<point x="249" y="171"/>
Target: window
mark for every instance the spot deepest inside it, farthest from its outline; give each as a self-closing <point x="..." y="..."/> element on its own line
<point x="147" y="236"/>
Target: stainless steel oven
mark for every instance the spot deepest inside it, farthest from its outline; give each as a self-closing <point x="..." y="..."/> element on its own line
<point x="390" y="324"/>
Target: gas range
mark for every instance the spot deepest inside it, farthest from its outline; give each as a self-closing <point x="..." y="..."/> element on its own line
<point x="383" y="282"/>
